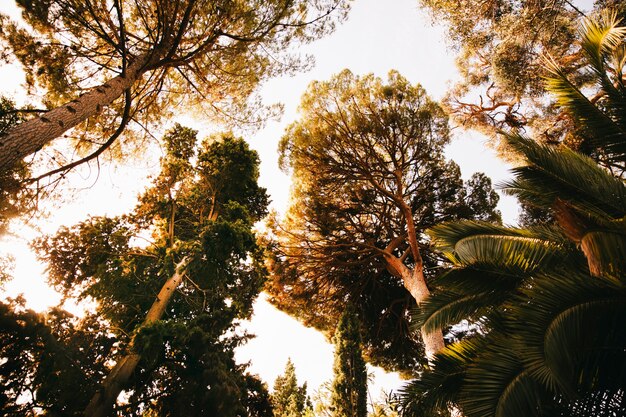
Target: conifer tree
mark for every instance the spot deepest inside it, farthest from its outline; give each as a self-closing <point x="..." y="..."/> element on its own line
<point x="166" y="310"/>
<point x="370" y="176"/>
<point x="104" y="65"/>
<point x="349" y="389"/>
<point x="289" y="399"/>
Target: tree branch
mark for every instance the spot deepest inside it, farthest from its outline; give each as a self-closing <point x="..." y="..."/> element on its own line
<point x="102" y="148"/>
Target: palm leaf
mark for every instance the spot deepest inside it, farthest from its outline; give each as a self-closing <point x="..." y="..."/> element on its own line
<point x="563" y="309"/>
<point x="605" y="134"/>
<point x="438" y="387"/>
<point x="497" y="384"/>
<point x="600" y="36"/>
<point x="559" y="172"/>
<point x="602" y="40"/>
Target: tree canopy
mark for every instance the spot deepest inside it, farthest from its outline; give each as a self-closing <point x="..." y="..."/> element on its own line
<point x="502" y="47"/>
<point x="370" y="176"/>
<point x="101" y="67"/>
<point x="170" y="280"/>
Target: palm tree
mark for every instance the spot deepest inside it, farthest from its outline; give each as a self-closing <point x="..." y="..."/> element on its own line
<point x="546" y="304"/>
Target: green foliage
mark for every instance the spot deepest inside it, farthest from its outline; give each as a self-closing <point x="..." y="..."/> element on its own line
<point x="51" y="361"/>
<point x="288" y="399"/>
<point x="547" y="303"/>
<point x="194" y="210"/>
<point x="363" y="150"/>
<point x="204" y="56"/>
<point x="600" y="121"/>
<point x="349" y="387"/>
<point x="502" y="48"/>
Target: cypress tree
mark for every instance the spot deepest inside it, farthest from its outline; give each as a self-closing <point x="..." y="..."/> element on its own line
<point x="289" y="399"/>
<point x="349" y="389"/>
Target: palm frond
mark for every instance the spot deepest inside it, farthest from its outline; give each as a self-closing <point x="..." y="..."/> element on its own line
<point x="600" y="36"/>
<point x="497" y="384"/>
<point x="438" y="387"/>
<point x="465" y="293"/>
<point x="559" y="172"/>
<point x="602" y="41"/>
<point x="563" y="309"/>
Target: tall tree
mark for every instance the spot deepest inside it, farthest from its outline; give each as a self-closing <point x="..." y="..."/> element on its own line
<point x="370" y="176"/>
<point x="100" y="65"/>
<point x="172" y="302"/>
<point x="349" y="387"/>
<point x="549" y="301"/>
<point x="289" y="399"/>
<point x="502" y="45"/>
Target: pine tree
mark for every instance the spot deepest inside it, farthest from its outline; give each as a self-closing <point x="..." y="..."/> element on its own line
<point x="349" y="389"/>
<point x="370" y="175"/>
<point x="99" y="65"/>
<point x="289" y="399"/>
<point x="167" y="310"/>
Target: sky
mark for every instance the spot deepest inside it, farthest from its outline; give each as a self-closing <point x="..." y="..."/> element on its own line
<point x="379" y="36"/>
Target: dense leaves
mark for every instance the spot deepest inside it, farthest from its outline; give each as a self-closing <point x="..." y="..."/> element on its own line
<point x="349" y="386"/>
<point x="196" y="222"/>
<point x="288" y="398"/>
<point x="370" y="176"/>
<point x="545" y="301"/>
<point x="50" y="362"/>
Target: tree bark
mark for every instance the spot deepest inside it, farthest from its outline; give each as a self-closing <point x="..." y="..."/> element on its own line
<point x="30" y="136"/>
<point x="102" y="402"/>
<point x="415" y="282"/>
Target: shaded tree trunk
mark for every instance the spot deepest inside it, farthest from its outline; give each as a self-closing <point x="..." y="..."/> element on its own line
<point x="30" y="136"/>
<point x="415" y="282"/>
<point x="103" y="401"/>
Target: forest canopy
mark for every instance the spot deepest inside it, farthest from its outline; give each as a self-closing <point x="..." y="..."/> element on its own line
<point x="396" y="253"/>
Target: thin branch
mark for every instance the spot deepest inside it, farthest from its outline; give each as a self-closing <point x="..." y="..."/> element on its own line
<point x="105" y="145"/>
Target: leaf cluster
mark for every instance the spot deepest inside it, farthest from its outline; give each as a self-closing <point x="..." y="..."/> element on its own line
<point x="201" y="207"/>
<point x="363" y="151"/>
<point x="546" y="302"/>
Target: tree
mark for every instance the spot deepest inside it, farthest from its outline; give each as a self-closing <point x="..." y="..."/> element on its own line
<point x="102" y="65"/>
<point x="502" y="46"/>
<point x="349" y="387"/>
<point x="548" y="300"/>
<point x="43" y="356"/>
<point x="289" y="399"/>
<point x="172" y="303"/>
<point x="370" y="176"/>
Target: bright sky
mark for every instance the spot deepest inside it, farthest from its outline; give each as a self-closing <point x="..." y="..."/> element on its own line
<point x="379" y="36"/>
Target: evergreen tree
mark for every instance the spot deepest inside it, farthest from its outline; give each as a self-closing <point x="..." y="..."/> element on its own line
<point x="100" y="64"/>
<point x="166" y="311"/>
<point x="289" y="399"/>
<point x="370" y="175"/>
<point x="349" y="389"/>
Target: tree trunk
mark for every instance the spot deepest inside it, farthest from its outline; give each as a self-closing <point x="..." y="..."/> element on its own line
<point x="415" y="282"/>
<point x="102" y="402"/>
<point x="30" y="136"/>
